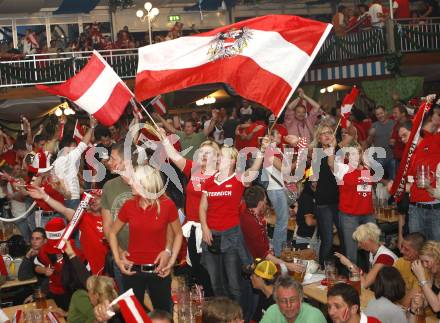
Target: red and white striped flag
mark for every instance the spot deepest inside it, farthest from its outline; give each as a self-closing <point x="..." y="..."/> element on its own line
<point x="78" y="132"/>
<point x="263" y="59"/>
<point x="302" y="143"/>
<point x="18" y="315"/>
<point x="136" y="111"/>
<point x="97" y="89"/>
<point x="51" y="317"/>
<point x="61" y="130"/>
<point x="131" y="309"/>
<point x="399" y="184"/>
<point x="159" y="105"/>
<point x="347" y="105"/>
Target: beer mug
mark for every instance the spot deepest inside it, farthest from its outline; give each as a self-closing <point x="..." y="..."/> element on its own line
<point x="423" y="176"/>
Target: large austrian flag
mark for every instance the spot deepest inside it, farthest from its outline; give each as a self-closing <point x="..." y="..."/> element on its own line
<point x="97" y="89"/>
<point x="263" y="59"/>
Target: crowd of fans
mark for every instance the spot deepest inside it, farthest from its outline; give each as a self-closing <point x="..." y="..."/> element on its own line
<point x="364" y="17"/>
<point x="194" y="207"/>
<point x="92" y="38"/>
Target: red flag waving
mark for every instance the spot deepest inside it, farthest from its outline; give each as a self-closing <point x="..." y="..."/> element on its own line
<point x="159" y="105"/>
<point x="347" y="104"/>
<point x="131" y="309"/>
<point x="263" y="59"/>
<point x="399" y="183"/>
<point x="97" y="89"/>
<point x="78" y="132"/>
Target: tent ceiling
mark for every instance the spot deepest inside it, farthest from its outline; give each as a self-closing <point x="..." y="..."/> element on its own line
<point x="10" y="110"/>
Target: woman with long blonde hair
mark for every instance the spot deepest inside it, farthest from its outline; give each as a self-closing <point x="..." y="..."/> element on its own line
<point x="148" y="214"/>
<point x="326" y="194"/>
<point x="427" y="271"/>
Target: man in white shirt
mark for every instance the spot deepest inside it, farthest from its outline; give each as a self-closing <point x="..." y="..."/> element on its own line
<point x="66" y="166"/>
<point x="376" y="14"/>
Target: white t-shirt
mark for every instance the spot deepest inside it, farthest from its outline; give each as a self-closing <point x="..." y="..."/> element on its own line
<point x="17" y="207"/>
<point x="66" y="169"/>
<point x="3" y="317"/>
<point x="374" y="10"/>
<point x="272" y="184"/>
<point x="218" y="134"/>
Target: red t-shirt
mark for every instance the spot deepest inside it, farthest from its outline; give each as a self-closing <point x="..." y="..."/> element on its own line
<point x="147" y="228"/>
<point x="9" y="157"/>
<point x="254" y="232"/>
<point x="362" y="128"/>
<point x="355" y="194"/>
<point x="253" y="142"/>
<point x="385" y="260"/>
<point x="92" y="241"/>
<point x="426" y="153"/>
<point x="53" y="194"/>
<point x="223" y="202"/>
<point x="383" y="256"/>
<point x="282" y="131"/>
<point x="371" y="319"/>
<point x="3" y="270"/>
<point x="46" y="257"/>
<point x="399" y="146"/>
<point x="240" y="143"/>
<point x="403" y="10"/>
<point x="193" y="191"/>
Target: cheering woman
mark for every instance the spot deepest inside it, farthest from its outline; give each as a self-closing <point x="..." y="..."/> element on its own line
<point x="197" y="172"/>
<point x="148" y="214"/>
<point x="223" y="248"/>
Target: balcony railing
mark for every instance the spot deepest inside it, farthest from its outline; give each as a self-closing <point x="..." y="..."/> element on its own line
<point x="360" y="44"/>
<point x="58" y="67"/>
<point x="418" y="36"/>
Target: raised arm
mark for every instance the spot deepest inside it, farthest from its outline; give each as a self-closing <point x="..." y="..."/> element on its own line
<point x="165" y="124"/>
<point x="89" y="134"/>
<point x="316" y="107"/>
<point x="212" y="123"/>
<point x="246" y="178"/>
<point x="39" y="193"/>
<point x="171" y="152"/>
<point x="28" y="131"/>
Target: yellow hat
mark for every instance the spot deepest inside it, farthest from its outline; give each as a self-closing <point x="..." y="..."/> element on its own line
<point x="265" y="269"/>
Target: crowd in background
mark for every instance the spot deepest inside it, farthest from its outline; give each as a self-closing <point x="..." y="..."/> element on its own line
<point x="373" y="15"/>
<point x="188" y="205"/>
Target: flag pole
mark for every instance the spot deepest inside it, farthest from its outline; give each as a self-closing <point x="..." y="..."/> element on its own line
<point x="337" y="126"/>
<point x="143" y="108"/>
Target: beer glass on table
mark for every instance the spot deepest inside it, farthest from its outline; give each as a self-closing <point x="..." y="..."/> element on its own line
<point x="287" y="251"/>
<point x="355" y="280"/>
<point x="300" y="270"/>
<point x="40" y="299"/>
<point x="330" y="272"/>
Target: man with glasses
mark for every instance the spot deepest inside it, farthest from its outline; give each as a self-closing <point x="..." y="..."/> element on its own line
<point x="289" y="307"/>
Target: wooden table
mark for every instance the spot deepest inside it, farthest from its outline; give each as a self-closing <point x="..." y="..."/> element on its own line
<point x="392" y="219"/>
<point x="51" y="306"/>
<point x="319" y="294"/>
<point x="16" y="282"/>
